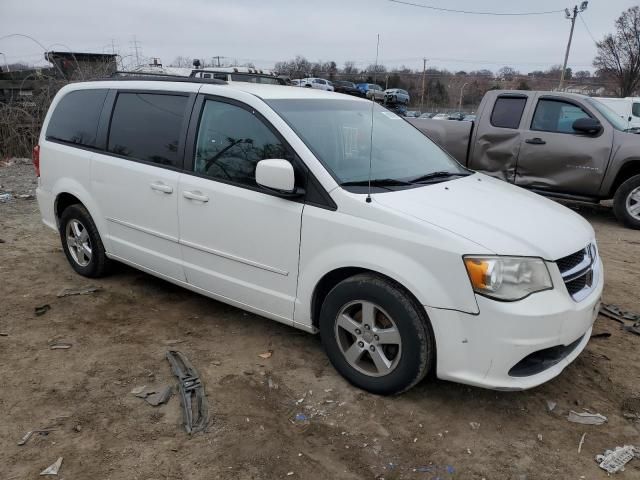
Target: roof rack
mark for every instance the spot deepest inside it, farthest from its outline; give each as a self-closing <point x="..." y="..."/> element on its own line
<point x="160" y="77"/>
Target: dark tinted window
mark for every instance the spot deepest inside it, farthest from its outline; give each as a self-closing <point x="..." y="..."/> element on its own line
<point x="220" y="76"/>
<point x="635" y="110"/>
<point x="76" y="117"/>
<point x="556" y="116"/>
<point x="507" y="112"/>
<point x="146" y="126"/>
<point x="231" y="141"/>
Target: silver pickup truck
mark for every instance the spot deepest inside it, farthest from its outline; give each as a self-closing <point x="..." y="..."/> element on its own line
<point x="557" y="144"/>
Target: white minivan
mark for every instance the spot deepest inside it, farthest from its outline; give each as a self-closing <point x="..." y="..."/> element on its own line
<point x="628" y="108"/>
<point x="326" y="213"/>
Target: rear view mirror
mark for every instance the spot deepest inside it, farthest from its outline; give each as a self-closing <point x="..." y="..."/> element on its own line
<point x="276" y="174"/>
<point x="588" y="126"/>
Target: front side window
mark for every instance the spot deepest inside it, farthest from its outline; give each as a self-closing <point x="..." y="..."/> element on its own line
<point x="146" y="126"/>
<point x="635" y="110"/>
<point x="556" y="116"/>
<point x="339" y="134"/>
<point x="231" y="141"/>
<point x="75" y="119"/>
<point x="507" y="112"/>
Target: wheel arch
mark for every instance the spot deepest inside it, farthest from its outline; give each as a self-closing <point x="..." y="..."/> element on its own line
<point x="330" y="279"/>
<point x="630" y="169"/>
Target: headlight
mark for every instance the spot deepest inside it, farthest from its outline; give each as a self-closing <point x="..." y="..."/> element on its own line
<point x="507" y="278"/>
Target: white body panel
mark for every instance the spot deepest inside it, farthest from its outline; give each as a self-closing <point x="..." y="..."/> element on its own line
<point x="267" y="254"/>
<point x="625" y="108"/>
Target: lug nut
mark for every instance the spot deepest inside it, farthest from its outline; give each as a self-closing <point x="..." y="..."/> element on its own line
<point x="372" y="348"/>
<point x="367" y="327"/>
<point x="376" y="337"/>
<point x="360" y="344"/>
<point x="358" y="331"/>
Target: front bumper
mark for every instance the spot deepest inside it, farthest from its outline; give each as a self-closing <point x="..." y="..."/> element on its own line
<point x="515" y="345"/>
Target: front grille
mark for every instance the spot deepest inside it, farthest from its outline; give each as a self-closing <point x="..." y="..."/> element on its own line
<point x="577" y="272"/>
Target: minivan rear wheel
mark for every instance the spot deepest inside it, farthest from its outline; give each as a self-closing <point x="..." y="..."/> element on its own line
<point x="376" y="335"/>
<point x="81" y="242"/>
<point x="626" y="203"/>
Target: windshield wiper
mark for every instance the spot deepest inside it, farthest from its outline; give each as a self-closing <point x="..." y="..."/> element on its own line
<point x="376" y="182"/>
<point x="437" y="175"/>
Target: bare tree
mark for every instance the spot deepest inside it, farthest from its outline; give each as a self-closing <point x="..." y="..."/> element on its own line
<point x="507" y="73"/>
<point x="181" y="61"/>
<point x="582" y="74"/>
<point x="619" y="54"/>
<point x="349" y="68"/>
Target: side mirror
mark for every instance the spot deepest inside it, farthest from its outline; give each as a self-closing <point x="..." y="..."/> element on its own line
<point x="276" y="174"/>
<point x="589" y="126"/>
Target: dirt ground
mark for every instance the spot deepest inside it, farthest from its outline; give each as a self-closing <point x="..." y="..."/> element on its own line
<point x="121" y="333"/>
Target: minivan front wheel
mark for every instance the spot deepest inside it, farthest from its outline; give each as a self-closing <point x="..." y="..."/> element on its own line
<point x="376" y="335"/>
<point x="81" y="242"/>
<point x="626" y="203"/>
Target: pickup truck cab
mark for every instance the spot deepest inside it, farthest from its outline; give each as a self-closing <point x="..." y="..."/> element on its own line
<point x="557" y="144"/>
<point x="328" y="213"/>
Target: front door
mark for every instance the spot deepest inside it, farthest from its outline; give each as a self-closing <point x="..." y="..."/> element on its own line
<point x="553" y="157"/>
<point x="239" y="241"/>
<point x="136" y="180"/>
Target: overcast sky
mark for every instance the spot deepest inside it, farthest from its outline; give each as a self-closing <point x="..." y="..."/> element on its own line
<point x="266" y="31"/>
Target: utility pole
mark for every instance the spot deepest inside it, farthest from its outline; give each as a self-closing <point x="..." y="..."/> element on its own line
<point x="461" y="93"/>
<point x="424" y="74"/>
<point x="569" y="16"/>
<point x="136" y="49"/>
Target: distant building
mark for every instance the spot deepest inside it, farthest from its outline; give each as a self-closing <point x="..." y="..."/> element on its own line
<point x="590" y="90"/>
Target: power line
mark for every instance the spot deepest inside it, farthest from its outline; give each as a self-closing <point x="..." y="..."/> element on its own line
<point x="588" y="30"/>
<point x="472" y="12"/>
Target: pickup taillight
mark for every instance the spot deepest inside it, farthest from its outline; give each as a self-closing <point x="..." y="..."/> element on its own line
<point x="36" y="159"/>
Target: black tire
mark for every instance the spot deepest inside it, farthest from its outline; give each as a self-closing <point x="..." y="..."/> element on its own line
<point x="417" y="353"/>
<point x="620" y="202"/>
<point x="98" y="264"/>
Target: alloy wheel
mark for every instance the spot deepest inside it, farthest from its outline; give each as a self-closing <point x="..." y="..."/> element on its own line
<point x="78" y="242"/>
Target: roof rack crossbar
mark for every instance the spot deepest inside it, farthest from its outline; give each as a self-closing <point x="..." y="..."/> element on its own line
<point x="160" y="77"/>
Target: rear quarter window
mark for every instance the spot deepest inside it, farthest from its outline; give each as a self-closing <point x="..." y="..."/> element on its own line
<point x="507" y="112"/>
<point x="76" y="116"/>
<point x="635" y="110"/>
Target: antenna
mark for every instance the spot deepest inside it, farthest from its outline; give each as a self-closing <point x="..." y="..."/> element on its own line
<point x="373" y="103"/>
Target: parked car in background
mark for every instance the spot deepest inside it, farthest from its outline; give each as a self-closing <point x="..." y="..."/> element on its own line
<point x="412" y="113"/>
<point x="397" y="95"/>
<point x="317" y="83"/>
<point x="562" y="145"/>
<point x="238" y="74"/>
<point x="371" y="91"/>
<point x="628" y="109"/>
<point x="254" y="195"/>
<point x="441" y="116"/>
<point x="469" y="118"/>
<point x="427" y="115"/>
<point x="456" y="116"/>
<point x="343" y="86"/>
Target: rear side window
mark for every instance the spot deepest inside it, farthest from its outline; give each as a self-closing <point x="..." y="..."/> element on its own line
<point x="635" y="110"/>
<point x="507" y="112"/>
<point x="147" y="126"/>
<point x="75" y="119"/>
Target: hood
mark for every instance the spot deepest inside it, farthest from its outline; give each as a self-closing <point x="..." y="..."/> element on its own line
<point x="500" y="217"/>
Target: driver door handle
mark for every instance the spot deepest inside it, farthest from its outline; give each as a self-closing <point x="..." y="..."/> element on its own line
<point x="535" y="141"/>
<point x="161" y="187"/>
<point x="196" y="195"/>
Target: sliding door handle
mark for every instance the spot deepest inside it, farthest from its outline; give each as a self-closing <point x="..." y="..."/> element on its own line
<point x="535" y="141"/>
<point x="161" y="187"/>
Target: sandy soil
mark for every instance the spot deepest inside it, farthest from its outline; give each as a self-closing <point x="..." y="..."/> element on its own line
<point x="120" y="335"/>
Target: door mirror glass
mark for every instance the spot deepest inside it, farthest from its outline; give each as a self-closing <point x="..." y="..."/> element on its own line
<point x="276" y="174"/>
<point x="589" y="126"/>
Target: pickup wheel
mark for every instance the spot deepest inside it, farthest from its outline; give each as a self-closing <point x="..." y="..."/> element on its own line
<point x="81" y="242"/>
<point x="376" y="334"/>
<point x="626" y="203"/>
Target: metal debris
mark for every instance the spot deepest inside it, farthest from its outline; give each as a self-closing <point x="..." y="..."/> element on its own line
<point x="586" y="418"/>
<point x="68" y="292"/>
<point x="42" y="309"/>
<point x="266" y="354"/>
<point x="630" y="321"/>
<point x="60" y="346"/>
<point x="474" y="425"/>
<point x="160" y="397"/>
<point x="551" y="405"/>
<point x="53" y="468"/>
<point x="613" y="461"/>
<point x="193" y="398"/>
<point x="5" y="197"/>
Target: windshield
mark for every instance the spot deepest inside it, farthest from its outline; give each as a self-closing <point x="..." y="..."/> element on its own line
<point x="613" y="118"/>
<point x="339" y="133"/>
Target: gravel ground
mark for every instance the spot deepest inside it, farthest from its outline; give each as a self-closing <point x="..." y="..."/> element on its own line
<point x="119" y="336"/>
